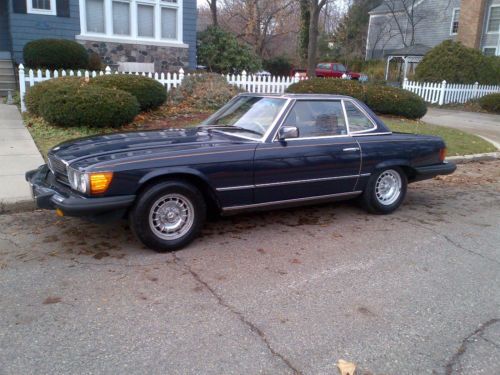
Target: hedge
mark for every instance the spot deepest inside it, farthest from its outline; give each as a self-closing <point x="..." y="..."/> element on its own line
<point x="148" y="92"/>
<point x="55" y="54"/>
<point x="381" y="99"/>
<point x="86" y="105"/>
<point x="205" y="91"/>
<point x="455" y="63"/>
<point x="394" y="101"/>
<point x="490" y="103"/>
<point x="42" y="89"/>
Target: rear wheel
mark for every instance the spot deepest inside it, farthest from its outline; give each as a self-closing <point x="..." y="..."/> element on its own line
<point x="168" y="215"/>
<point x="385" y="191"/>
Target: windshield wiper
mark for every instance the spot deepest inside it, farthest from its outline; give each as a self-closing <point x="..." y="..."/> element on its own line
<point x="247" y="130"/>
<point x="229" y="127"/>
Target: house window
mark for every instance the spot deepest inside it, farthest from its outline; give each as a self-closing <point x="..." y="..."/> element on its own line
<point x="95" y="16"/>
<point x="41" y="7"/>
<point x="490" y="51"/>
<point x="121" y="18"/>
<point x="455" y="21"/>
<point x="145" y="21"/>
<point x="494" y="19"/>
<point x="132" y="20"/>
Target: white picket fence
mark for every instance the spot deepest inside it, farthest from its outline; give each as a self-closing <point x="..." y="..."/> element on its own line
<point x="446" y="93"/>
<point x="246" y="82"/>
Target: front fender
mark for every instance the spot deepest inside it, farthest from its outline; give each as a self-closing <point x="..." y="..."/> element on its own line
<point x="172" y="171"/>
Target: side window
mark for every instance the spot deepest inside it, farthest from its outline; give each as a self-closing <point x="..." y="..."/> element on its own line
<point x="357" y="119"/>
<point x="317" y="118"/>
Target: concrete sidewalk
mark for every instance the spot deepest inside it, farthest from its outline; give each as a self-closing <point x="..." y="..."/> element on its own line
<point x="482" y="124"/>
<point x="18" y="154"/>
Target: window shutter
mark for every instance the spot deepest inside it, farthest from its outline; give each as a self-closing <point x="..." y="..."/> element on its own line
<point x="19" y="6"/>
<point x="62" y="7"/>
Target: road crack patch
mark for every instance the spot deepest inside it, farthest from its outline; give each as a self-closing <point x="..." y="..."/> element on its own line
<point x="455" y="359"/>
<point x="449" y="240"/>
<point x="241" y="317"/>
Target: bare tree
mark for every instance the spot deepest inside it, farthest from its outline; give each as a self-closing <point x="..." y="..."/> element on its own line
<point x="315" y="7"/>
<point x="384" y="33"/>
<point x="212" y="4"/>
<point x="259" y="22"/>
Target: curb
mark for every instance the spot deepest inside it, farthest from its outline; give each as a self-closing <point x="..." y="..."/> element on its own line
<point x="29" y="205"/>
<point x="17" y="206"/>
<point x="473" y="158"/>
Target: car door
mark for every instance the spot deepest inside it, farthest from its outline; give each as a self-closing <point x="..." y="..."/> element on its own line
<point x="324" y="160"/>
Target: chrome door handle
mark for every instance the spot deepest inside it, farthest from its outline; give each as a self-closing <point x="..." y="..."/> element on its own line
<point x="351" y="149"/>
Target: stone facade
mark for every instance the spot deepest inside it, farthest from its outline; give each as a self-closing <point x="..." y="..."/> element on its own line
<point x="165" y="58"/>
<point x="471" y="22"/>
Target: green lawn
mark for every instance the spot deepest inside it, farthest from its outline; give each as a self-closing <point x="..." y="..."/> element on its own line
<point x="457" y="142"/>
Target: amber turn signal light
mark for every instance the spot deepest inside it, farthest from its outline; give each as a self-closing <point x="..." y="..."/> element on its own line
<point x="99" y="182"/>
<point x="442" y="154"/>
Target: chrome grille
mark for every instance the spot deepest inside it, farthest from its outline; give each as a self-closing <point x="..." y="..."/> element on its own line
<point x="58" y="167"/>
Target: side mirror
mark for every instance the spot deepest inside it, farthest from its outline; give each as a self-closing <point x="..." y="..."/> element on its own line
<point x="288" y="132"/>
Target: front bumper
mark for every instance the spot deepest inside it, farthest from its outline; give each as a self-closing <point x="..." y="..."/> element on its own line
<point x="50" y="194"/>
<point x="424" y="173"/>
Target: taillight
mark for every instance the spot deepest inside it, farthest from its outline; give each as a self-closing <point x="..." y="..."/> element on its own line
<point x="442" y="154"/>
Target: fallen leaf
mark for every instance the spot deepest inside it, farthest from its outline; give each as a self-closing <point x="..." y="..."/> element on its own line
<point x="51" y="300"/>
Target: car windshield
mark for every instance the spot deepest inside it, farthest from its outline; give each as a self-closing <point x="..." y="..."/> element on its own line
<point x="341" y="68"/>
<point x="250" y="116"/>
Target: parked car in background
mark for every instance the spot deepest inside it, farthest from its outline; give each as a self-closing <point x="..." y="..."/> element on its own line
<point x="263" y="73"/>
<point x="338" y="70"/>
<point x="257" y="152"/>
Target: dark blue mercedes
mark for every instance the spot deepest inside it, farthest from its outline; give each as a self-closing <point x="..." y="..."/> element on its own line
<point x="257" y="152"/>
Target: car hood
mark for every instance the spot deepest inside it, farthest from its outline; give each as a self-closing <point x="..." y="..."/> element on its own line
<point x="92" y="150"/>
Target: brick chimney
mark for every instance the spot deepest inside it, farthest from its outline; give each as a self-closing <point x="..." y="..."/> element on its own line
<point x="470" y="26"/>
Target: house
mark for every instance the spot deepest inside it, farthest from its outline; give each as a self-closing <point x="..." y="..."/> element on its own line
<point x="162" y="32"/>
<point x="412" y="27"/>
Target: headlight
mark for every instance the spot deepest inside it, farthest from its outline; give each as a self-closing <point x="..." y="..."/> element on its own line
<point x="89" y="183"/>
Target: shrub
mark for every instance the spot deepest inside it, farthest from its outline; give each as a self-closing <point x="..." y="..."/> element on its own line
<point x="381" y="99"/>
<point x="278" y="66"/>
<point x="455" y="63"/>
<point x="221" y="52"/>
<point x="42" y="89"/>
<point x="394" y="101"/>
<point x="55" y="54"/>
<point x="490" y="103"/>
<point x="204" y="91"/>
<point x="87" y="105"/>
<point x="148" y="92"/>
<point x="95" y="62"/>
<point x="329" y="86"/>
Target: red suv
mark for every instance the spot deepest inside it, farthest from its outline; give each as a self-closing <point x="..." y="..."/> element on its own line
<point x="337" y="70"/>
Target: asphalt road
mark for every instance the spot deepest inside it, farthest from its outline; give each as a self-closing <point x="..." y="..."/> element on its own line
<point x="416" y="292"/>
<point x="485" y="125"/>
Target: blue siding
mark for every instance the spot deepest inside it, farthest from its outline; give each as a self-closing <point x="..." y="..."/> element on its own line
<point x="4" y="27"/>
<point x="189" y="29"/>
<point x="27" y="27"/>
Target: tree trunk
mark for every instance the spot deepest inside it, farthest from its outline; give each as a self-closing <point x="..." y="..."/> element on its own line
<point x="213" y="11"/>
<point x="305" y="20"/>
<point x="313" y="40"/>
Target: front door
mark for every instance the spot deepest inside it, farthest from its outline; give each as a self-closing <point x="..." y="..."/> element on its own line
<point x="324" y="160"/>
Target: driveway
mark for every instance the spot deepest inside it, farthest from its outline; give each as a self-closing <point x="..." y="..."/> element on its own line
<point x="285" y="292"/>
<point x="482" y="124"/>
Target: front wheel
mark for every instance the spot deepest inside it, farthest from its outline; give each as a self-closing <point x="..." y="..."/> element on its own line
<point x="385" y="191"/>
<point x="168" y="215"/>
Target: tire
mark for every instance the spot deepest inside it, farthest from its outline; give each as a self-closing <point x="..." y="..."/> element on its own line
<point x="168" y="215"/>
<point x="378" y="198"/>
